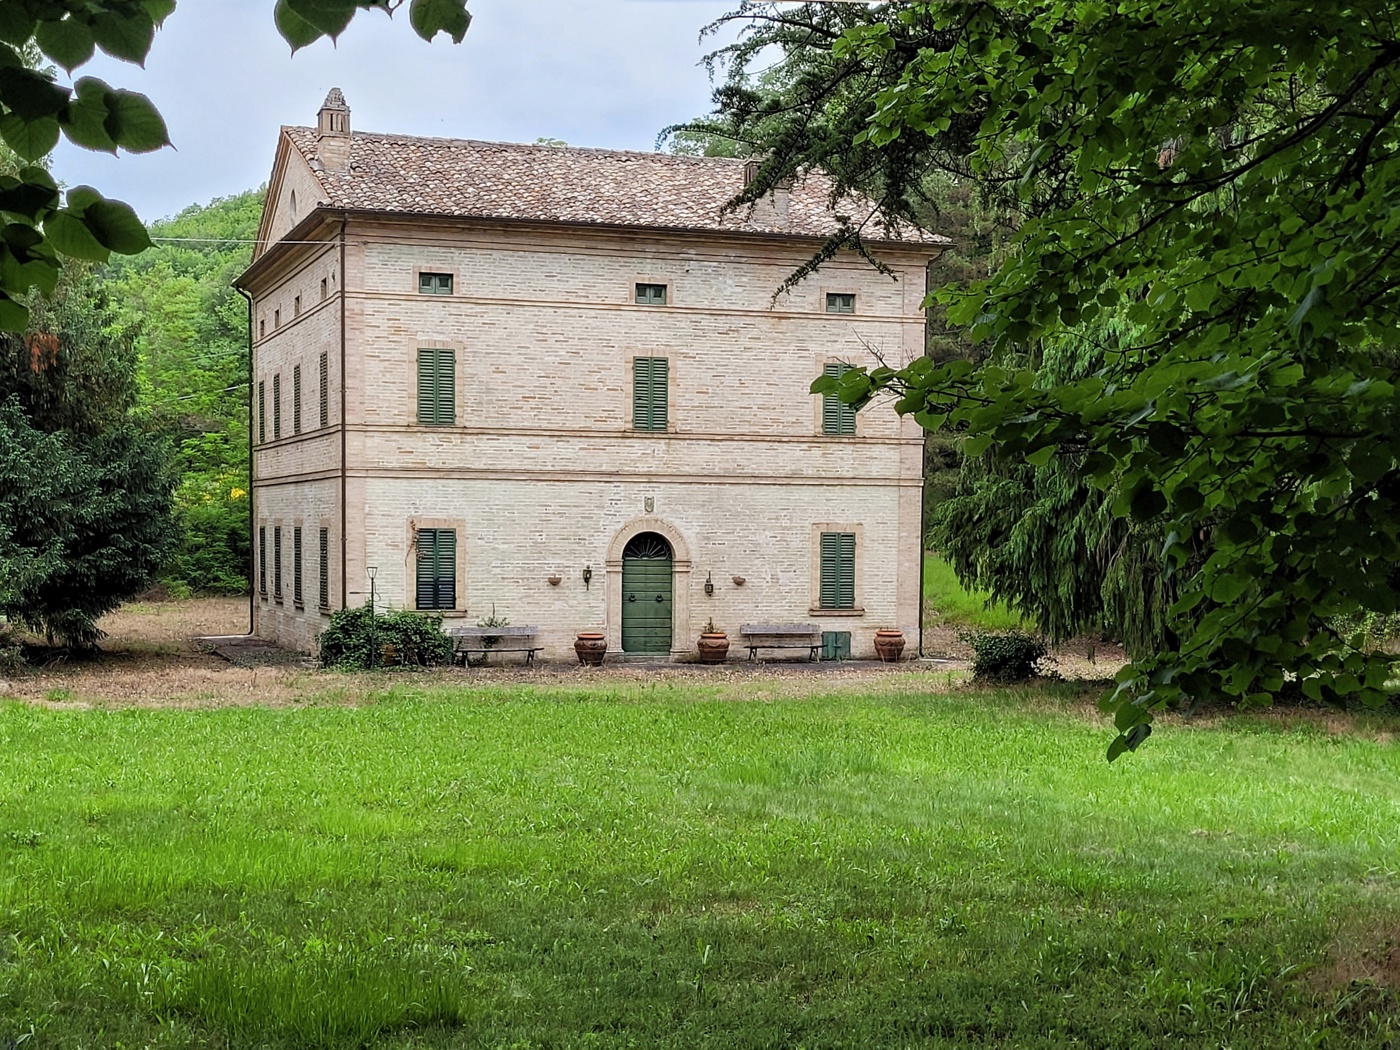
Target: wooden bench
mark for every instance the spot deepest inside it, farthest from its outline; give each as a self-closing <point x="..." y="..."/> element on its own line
<point x="758" y="636"/>
<point x="470" y="646"/>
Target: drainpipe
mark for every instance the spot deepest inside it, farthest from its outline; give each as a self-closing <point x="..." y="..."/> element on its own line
<point x="344" y="533"/>
<point x="252" y="507"/>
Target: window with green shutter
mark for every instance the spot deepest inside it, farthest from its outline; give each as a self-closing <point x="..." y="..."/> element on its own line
<point x="296" y="399"/>
<point x="325" y="390"/>
<point x="650" y="376"/>
<point x="651" y="295"/>
<point x="325" y="593"/>
<point x="262" y="412"/>
<point x="277" y="562"/>
<point x="838" y="570"/>
<point x="262" y="560"/>
<point x="435" y="283"/>
<point x="437" y="387"/>
<point x="296" y="566"/>
<point x="277" y="406"/>
<point x="437" y="569"/>
<point x="838" y="418"/>
<point x="840" y="303"/>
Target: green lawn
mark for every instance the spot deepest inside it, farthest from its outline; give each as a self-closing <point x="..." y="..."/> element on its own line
<point x="640" y="865"/>
<point x="950" y="602"/>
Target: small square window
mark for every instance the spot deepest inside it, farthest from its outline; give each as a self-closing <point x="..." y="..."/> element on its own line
<point x="651" y="295"/>
<point x="435" y="283"/>
<point x="840" y="303"/>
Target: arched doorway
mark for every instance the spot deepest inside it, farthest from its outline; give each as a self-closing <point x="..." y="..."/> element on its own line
<point x="647" y="594"/>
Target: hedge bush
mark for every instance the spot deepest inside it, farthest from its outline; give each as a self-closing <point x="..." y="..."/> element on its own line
<point x="1004" y="656"/>
<point x="415" y="638"/>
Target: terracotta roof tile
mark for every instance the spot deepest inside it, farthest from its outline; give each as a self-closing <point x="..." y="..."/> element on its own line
<point x="460" y="177"/>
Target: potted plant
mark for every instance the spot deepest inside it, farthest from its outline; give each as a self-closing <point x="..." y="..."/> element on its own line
<point x="490" y="640"/>
<point x="713" y="644"/>
<point x="889" y="644"/>
<point x="591" y="647"/>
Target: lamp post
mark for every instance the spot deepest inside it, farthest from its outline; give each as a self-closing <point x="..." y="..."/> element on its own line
<point x="373" y="570"/>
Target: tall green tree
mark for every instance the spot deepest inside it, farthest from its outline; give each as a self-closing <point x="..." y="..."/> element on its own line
<point x="192" y="347"/>
<point x="1233" y="193"/>
<point x="85" y="484"/>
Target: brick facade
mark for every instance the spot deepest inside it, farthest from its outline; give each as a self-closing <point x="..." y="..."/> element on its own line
<point x="542" y="473"/>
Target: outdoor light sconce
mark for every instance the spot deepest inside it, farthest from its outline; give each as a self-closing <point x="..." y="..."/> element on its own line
<point x="587" y="576"/>
<point x="555" y="580"/>
<point x="738" y="581"/>
<point x="709" y="584"/>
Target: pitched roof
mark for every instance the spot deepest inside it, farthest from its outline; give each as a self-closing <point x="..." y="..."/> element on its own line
<point x="460" y="177"/>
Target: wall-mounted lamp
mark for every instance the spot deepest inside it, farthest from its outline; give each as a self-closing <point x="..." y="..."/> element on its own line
<point x="709" y="584"/>
<point x="554" y="581"/>
<point x="738" y="581"/>
<point x="587" y="576"/>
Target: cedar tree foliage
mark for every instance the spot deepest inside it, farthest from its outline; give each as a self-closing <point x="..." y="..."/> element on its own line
<point x="1222" y="176"/>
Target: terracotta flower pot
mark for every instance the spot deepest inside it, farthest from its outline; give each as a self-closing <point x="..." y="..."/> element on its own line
<point x="714" y="647"/>
<point x="889" y="645"/>
<point x="591" y="647"/>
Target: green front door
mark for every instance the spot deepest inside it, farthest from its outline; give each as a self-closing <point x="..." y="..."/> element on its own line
<point x="646" y="595"/>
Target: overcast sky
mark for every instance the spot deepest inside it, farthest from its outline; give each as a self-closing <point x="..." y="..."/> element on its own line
<point x="607" y="73"/>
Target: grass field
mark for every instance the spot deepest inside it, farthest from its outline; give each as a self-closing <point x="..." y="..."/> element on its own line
<point x="633" y="865"/>
<point x="950" y="602"/>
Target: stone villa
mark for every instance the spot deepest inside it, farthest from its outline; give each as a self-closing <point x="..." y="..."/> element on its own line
<point x="547" y="381"/>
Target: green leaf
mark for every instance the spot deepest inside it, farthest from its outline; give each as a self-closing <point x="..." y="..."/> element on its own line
<point x="31" y="95"/>
<point x="30" y="139"/>
<point x="295" y="30"/>
<point x="430" y="17"/>
<point x="159" y="10"/>
<point x="134" y="123"/>
<point x="117" y="227"/>
<point x="85" y="119"/>
<point x="126" y="34"/>
<point x="16" y="24"/>
<point x="1147" y="502"/>
<point x="77" y="199"/>
<point x="14" y="317"/>
<point x="328" y="17"/>
<point x="68" y="42"/>
<point x="67" y="233"/>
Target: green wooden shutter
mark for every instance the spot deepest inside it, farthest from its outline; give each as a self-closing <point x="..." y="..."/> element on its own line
<point x="846" y="573"/>
<point x="296" y="399"/>
<point x="838" y="418"/>
<point x="660" y="376"/>
<point x="296" y="565"/>
<point x="641" y="393"/>
<point x="262" y="559"/>
<point x="650" y="377"/>
<point x="427" y="387"/>
<point x="436" y="585"/>
<point x="325" y="592"/>
<point x="325" y="391"/>
<point x="837" y="588"/>
<point x="437" y="387"/>
<point x="446" y="569"/>
<point x="277" y="562"/>
<point x="262" y="411"/>
<point x="277" y="406"/>
<point x="426" y="588"/>
<point x="447" y="387"/>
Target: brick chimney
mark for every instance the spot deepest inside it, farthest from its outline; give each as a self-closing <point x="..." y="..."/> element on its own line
<point x="772" y="208"/>
<point x="333" y="132"/>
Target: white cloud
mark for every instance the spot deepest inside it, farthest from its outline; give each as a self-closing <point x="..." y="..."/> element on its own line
<point x="605" y="73"/>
